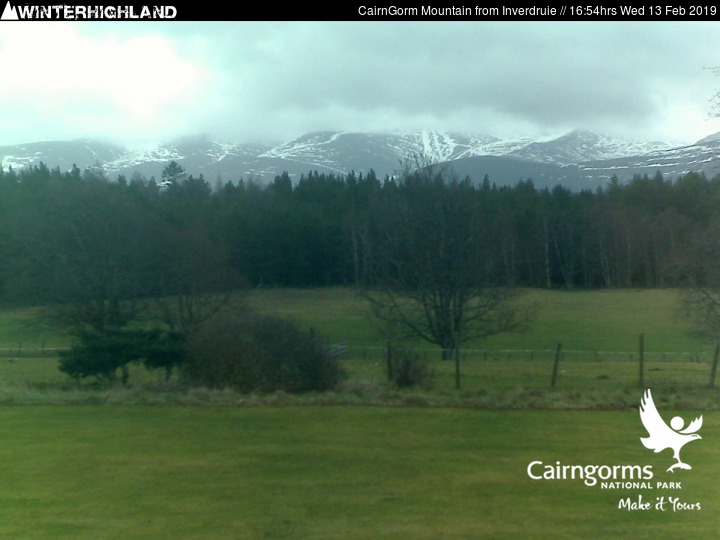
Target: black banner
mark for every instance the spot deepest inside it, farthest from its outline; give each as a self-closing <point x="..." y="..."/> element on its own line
<point x="361" y="11"/>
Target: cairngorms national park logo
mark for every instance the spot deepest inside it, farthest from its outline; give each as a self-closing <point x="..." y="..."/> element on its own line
<point x="663" y="436"/>
<point x="637" y="477"/>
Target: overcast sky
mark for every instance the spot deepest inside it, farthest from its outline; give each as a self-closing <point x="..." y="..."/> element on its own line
<point x="143" y="82"/>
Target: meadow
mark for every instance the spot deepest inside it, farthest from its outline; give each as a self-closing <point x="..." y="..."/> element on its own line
<point x="599" y="320"/>
<point x="368" y="462"/>
<point x="599" y="332"/>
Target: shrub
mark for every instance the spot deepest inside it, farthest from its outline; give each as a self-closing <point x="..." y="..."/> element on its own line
<point x="259" y="353"/>
<point x="407" y="369"/>
<point x="101" y="354"/>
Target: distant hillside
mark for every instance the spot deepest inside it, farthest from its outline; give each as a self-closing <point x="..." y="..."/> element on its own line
<point x="578" y="159"/>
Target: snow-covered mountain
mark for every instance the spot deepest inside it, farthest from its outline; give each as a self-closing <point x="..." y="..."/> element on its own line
<point x="578" y="159"/>
<point x="580" y="146"/>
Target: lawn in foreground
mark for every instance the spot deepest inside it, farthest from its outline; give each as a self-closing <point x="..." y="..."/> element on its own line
<point x="333" y="472"/>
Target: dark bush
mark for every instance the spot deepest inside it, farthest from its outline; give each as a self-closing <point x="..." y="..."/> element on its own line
<point x="407" y="369"/>
<point x="102" y="354"/>
<point x="259" y="353"/>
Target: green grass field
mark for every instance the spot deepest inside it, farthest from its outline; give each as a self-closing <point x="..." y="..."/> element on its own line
<point x="598" y="330"/>
<point x="153" y="462"/>
<point x="333" y="472"/>
<point x="608" y="320"/>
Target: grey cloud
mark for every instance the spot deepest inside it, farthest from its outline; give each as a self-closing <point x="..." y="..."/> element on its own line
<point x="276" y="80"/>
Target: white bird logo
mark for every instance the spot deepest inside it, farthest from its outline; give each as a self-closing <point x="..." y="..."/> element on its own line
<point x="663" y="436"/>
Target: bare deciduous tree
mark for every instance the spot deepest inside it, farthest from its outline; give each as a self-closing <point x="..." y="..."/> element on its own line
<point x="700" y="298"/>
<point x="430" y="268"/>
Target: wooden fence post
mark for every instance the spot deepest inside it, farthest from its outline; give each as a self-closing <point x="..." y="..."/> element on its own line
<point x="556" y="365"/>
<point x="713" y="369"/>
<point x="457" y="367"/>
<point x="389" y="360"/>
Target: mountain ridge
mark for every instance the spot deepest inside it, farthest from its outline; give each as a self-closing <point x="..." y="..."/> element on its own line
<point x="578" y="159"/>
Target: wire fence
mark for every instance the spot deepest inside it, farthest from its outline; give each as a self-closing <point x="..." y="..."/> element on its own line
<point x="377" y="352"/>
<point x="536" y="368"/>
<point x="31" y="352"/>
<point x="483" y="369"/>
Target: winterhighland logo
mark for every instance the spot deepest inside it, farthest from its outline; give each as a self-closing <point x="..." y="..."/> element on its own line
<point x="66" y="12"/>
<point x="661" y="436"/>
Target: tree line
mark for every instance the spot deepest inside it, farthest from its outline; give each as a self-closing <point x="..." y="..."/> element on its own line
<point x="317" y="231"/>
<point x="79" y="230"/>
